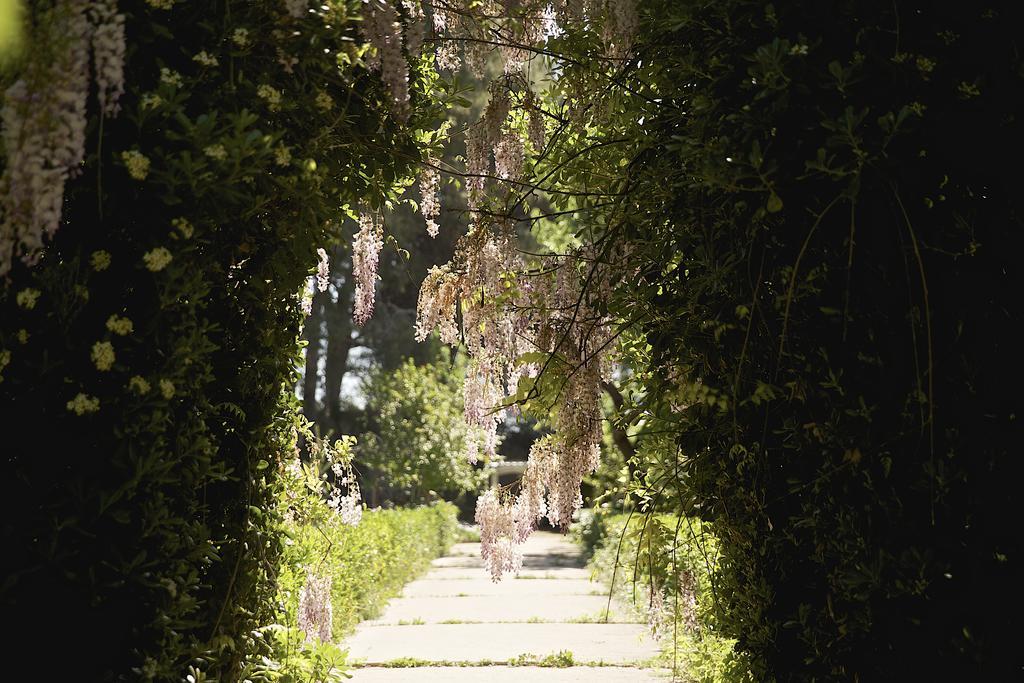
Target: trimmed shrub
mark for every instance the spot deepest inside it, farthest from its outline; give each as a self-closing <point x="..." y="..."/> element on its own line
<point x="367" y="563"/>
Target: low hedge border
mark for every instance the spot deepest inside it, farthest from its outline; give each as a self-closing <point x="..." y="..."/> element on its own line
<point x="368" y="563"/>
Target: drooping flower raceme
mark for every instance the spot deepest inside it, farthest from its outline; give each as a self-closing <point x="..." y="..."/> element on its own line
<point x="384" y="33"/>
<point x="44" y="118"/>
<point x="365" y="256"/>
<point x="315" y="612"/>
<point x="430" y="207"/>
<point x="323" y="270"/>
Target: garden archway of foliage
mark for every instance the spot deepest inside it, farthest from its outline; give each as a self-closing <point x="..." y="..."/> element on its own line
<point x="148" y="356"/>
<point x="786" y="229"/>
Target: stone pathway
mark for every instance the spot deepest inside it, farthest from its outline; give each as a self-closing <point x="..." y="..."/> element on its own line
<point x="454" y="624"/>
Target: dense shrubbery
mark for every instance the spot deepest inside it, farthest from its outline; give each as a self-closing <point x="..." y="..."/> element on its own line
<point x="829" y="287"/>
<point x="147" y="361"/>
<point x="414" y="446"/>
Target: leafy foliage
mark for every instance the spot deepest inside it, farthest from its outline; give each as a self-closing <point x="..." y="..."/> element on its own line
<point x="147" y="520"/>
<point x="666" y="568"/>
<point x="823" y="280"/>
<point x="417" y="444"/>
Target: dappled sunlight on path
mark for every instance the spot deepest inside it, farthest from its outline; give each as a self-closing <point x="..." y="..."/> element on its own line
<point x="455" y="624"/>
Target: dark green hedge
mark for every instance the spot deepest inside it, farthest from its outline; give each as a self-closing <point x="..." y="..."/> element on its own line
<point x="140" y="538"/>
<point x="829" y="202"/>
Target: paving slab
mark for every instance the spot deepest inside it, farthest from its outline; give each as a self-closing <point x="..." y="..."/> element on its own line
<point x="454" y="573"/>
<point x="508" y="587"/>
<point x="500" y="608"/>
<point x="607" y="643"/>
<point x="508" y="674"/>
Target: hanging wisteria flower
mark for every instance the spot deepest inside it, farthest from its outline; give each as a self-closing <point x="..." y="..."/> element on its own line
<point x="315" y="612"/>
<point x="100" y="260"/>
<point x="83" y="403"/>
<point x="102" y="355"/>
<point x="384" y="33"/>
<point x="216" y="152"/>
<point x="138" y="165"/>
<point x="306" y="298"/>
<point x="108" y="48"/>
<point x="498" y="547"/>
<point x="365" y="256"/>
<point x="139" y="385"/>
<point x="205" y="58"/>
<point x="43" y="119"/>
<point x="119" y="326"/>
<point x="323" y="271"/>
<point x="27" y="298"/>
<point x="167" y="389"/>
<point x="157" y="259"/>
<point x="430" y="207"/>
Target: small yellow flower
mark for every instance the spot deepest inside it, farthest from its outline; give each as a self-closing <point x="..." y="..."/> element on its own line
<point x="216" y="152"/>
<point x="151" y="101"/>
<point x="240" y="37"/>
<point x="170" y="77"/>
<point x="205" y="58"/>
<point x="119" y="326"/>
<point x="5" y="359"/>
<point x="271" y="95"/>
<point x="282" y="155"/>
<point x="82" y="292"/>
<point x="100" y="260"/>
<point x="139" y="384"/>
<point x="160" y="4"/>
<point x="23" y="336"/>
<point x="138" y="165"/>
<point x="83" y="403"/>
<point x="103" y="355"/>
<point x="27" y="298"/>
<point x="184" y="227"/>
<point x="157" y="259"/>
<point x="324" y="102"/>
<point x="167" y="389"/>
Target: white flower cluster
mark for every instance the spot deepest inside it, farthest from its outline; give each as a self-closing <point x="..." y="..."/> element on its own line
<point x="499" y="543"/>
<point x="108" y="48"/>
<point x="365" y="257"/>
<point x="508" y="310"/>
<point x="430" y="206"/>
<point x="315" y="612"/>
<point x="482" y="141"/>
<point x="323" y="270"/>
<point x="384" y="33"/>
<point x="44" y="117"/>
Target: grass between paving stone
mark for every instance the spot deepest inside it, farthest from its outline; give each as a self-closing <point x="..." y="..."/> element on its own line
<point x="558" y="660"/>
<point x="600" y="617"/>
